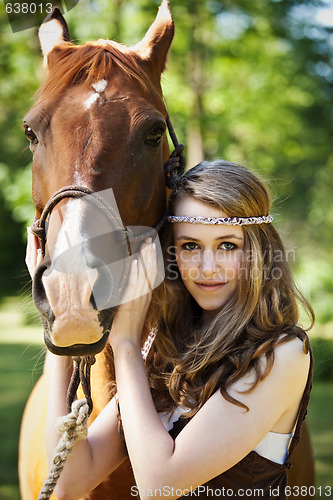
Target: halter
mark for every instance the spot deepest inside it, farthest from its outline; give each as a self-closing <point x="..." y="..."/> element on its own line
<point x="39" y="225"/>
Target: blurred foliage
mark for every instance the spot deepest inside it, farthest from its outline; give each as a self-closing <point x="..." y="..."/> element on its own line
<point x="249" y="81"/>
<point x="323" y="355"/>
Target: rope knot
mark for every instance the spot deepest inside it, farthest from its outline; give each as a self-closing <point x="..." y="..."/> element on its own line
<point x="75" y="423"/>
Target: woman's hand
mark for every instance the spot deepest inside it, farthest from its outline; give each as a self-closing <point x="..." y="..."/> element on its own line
<point x="130" y="317"/>
<point x="34" y="253"/>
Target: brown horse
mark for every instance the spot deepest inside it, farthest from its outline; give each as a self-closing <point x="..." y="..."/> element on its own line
<point x="99" y="123"/>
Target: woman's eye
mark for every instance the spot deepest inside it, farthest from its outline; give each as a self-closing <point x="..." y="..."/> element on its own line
<point x="190" y="246"/>
<point x="154" y="137"/>
<point x="226" y="245"/>
<point x="30" y="135"/>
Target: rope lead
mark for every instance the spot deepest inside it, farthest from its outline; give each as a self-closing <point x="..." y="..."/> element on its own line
<point x="73" y="427"/>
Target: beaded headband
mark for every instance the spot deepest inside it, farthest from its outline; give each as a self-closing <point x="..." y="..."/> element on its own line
<point x="228" y="221"/>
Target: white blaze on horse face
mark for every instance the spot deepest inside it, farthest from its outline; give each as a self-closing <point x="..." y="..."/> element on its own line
<point x="68" y="236"/>
<point x="66" y="282"/>
<point x="93" y="96"/>
<point x="78" y="179"/>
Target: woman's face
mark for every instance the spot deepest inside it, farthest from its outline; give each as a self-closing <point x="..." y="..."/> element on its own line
<point x="209" y="257"/>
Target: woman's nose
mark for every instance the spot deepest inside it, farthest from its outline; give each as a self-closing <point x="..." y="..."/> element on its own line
<point x="209" y="264"/>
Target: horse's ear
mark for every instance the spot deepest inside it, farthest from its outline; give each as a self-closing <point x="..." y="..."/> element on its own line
<point x="52" y="32"/>
<point x="154" y="47"/>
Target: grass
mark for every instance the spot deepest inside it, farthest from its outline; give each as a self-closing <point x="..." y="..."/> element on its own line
<point x="320" y="417"/>
<point x="21" y="353"/>
<point x="18" y="374"/>
<point x="21" y="359"/>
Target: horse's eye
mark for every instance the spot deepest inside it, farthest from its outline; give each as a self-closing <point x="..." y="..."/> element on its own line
<point x="154" y="137"/>
<point x="30" y="135"/>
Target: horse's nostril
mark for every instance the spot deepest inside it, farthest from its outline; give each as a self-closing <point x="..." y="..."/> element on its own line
<point x="92" y="260"/>
<point x="104" y="249"/>
<point x="39" y="294"/>
<point x="107" y="254"/>
<point x="104" y="290"/>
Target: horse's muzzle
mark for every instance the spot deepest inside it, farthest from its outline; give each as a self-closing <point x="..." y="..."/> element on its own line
<point x="77" y="349"/>
<point x="71" y="332"/>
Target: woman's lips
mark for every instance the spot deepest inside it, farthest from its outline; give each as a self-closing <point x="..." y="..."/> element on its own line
<point x="210" y="286"/>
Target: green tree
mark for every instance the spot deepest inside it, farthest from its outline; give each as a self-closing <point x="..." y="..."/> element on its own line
<point x="250" y="81"/>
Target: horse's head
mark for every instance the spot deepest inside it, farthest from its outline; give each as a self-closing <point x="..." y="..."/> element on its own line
<point x="99" y="123"/>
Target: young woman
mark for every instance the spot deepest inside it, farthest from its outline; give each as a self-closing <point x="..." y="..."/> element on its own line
<point x="219" y="402"/>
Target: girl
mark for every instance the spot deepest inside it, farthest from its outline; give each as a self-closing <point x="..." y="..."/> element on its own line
<point x="219" y="403"/>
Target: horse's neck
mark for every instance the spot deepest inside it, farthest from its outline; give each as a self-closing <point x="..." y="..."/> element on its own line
<point x="102" y="379"/>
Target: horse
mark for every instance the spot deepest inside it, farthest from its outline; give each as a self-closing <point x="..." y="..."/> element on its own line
<point x="99" y="123"/>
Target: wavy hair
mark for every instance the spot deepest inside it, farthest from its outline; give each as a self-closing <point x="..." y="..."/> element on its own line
<point x="190" y="358"/>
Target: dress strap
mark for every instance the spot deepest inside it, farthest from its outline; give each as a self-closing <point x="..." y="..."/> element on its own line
<point x="304" y="402"/>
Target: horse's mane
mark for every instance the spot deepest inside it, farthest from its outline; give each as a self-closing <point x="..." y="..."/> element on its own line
<point x="70" y="64"/>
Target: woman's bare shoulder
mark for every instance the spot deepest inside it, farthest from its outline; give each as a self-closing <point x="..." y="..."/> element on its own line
<point x="292" y="354"/>
<point x="285" y="381"/>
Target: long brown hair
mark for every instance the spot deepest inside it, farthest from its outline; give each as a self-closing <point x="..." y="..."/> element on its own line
<point x="191" y="359"/>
